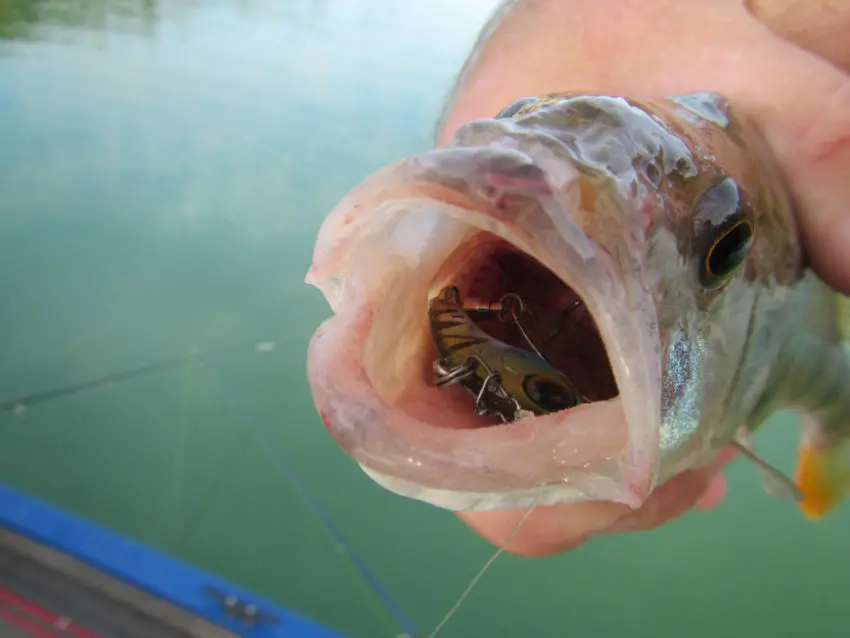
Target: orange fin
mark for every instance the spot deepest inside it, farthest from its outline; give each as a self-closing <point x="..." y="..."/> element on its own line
<point x="823" y="478"/>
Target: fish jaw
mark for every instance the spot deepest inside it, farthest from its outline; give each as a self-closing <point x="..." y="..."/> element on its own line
<point x="383" y="253"/>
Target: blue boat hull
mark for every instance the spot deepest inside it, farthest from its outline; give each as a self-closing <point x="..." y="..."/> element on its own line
<point x="61" y="576"/>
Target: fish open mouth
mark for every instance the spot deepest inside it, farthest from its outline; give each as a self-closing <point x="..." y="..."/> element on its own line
<point x="391" y="246"/>
<point x="548" y="317"/>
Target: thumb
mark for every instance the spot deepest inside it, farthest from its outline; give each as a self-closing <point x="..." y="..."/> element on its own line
<point x="817" y="150"/>
<point x="819" y="26"/>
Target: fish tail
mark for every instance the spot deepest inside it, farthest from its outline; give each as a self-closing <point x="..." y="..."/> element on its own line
<point x="823" y="462"/>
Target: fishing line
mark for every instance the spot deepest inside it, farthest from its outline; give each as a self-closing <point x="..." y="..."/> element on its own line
<point x="200" y="505"/>
<point x="20" y="404"/>
<point x="290" y="475"/>
<point x="501" y="550"/>
<point x="512" y="310"/>
<point x="525" y="335"/>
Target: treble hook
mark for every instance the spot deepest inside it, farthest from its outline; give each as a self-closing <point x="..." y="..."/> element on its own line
<point x="491" y="383"/>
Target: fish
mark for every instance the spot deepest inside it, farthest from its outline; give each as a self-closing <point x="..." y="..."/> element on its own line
<point x="669" y="221"/>
<point x="505" y="380"/>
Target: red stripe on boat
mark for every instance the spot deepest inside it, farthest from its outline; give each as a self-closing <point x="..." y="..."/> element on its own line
<point x="60" y="622"/>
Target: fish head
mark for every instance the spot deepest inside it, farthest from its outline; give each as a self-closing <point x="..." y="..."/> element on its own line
<point x="658" y="217"/>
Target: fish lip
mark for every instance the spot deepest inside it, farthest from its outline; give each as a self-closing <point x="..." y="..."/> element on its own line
<point x="467" y="501"/>
<point x="624" y="314"/>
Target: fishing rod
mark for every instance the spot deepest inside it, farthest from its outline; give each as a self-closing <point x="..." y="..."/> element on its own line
<point x="19" y="404"/>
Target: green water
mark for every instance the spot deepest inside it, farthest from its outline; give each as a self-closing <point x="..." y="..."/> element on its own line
<point x="164" y="168"/>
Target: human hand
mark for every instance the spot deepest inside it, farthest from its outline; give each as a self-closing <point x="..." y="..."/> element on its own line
<point x="784" y="62"/>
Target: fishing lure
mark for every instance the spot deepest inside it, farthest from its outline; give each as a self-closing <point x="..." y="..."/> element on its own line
<point x="506" y="381"/>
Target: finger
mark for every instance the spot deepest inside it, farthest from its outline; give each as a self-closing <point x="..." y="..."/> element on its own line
<point x="713" y="495"/>
<point x="819" y="26"/>
<point x="549" y="530"/>
<point x="674" y="498"/>
<point x="661" y="47"/>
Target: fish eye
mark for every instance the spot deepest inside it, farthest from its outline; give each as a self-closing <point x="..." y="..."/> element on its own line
<point x="549" y="394"/>
<point x="728" y="252"/>
<point x="726" y="233"/>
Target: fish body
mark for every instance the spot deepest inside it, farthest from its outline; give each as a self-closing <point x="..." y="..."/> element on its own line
<point x="670" y="220"/>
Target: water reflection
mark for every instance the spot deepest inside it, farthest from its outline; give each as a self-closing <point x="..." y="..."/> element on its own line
<point x="26" y="19"/>
<point x="164" y="168"/>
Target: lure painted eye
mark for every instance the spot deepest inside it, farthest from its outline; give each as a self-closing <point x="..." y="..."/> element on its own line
<point x="550" y="395"/>
<point x="725" y="231"/>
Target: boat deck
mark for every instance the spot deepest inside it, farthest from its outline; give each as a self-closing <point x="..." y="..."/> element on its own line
<point x="62" y="576"/>
<point x="46" y="594"/>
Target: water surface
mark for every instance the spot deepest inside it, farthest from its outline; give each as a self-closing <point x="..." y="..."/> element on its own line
<point x="164" y="168"/>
